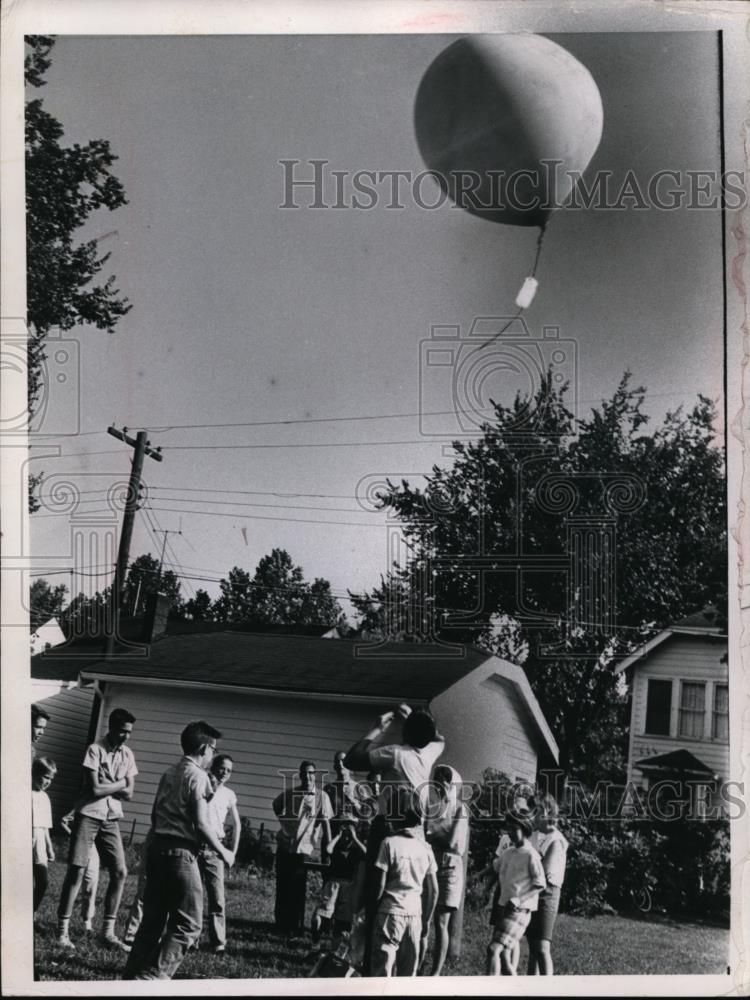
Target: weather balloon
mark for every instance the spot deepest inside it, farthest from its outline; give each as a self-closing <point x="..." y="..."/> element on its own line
<point x="508" y="123"/>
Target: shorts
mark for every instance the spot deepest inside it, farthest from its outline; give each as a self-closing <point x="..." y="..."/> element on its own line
<point x="105" y="833"/>
<point x="335" y="900"/>
<point x="450" y="879"/>
<point x="542" y="922"/>
<point x="395" y="944"/>
<point x="509" y="926"/>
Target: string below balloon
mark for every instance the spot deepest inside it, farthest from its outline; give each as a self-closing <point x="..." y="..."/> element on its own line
<point x="527" y="292"/>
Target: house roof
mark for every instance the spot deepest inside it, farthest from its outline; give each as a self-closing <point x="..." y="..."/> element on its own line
<point x="391" y="671"/>
<point x="669" y="633"/>
<point x="675" y="762"/>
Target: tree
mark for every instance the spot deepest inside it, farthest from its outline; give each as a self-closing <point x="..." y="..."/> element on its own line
<point x="65" y="185"/>
<point x="199" y="607"/>
<point x="510" y="495"/>
<point x="277" y="594"/>
<point x="45" y="602"/>
<point x="143" y="579"/>
<point x="234" y="604"/>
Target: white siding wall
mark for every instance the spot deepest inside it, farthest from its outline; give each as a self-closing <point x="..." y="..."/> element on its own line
<point x="682" y="658"/>
<point x="263" y="734"/>
<point x="485" y="725"/>
<point x="64" y="740"/>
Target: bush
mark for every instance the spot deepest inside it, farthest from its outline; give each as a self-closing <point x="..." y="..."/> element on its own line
<point x="684" y="863"/>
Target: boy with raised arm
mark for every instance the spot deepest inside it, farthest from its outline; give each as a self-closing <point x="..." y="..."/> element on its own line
<point x="109" y="777"/>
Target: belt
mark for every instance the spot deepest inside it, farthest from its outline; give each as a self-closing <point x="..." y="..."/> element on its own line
<point x="163" y="842"/>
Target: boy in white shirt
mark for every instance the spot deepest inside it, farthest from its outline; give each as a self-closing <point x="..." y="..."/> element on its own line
<point x="43" y="770"/>
<point x="407" y="892"/>
<point x="110" y="771"/>
<point x="222" y="805"/>
<point x="521" y="877"/>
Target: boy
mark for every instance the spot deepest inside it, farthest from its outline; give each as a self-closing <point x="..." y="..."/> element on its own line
<point x="303" y="811"/>
<point x="109" y="778"/>
<point x="345" y="851"/>
<point x="402" y="747"/>
<point x="180" y="823"/>
<point x="521" y="878"/>
<point x="223" y="804"/>
<point x="39" y="720"/>
<point x="406" y="893"/>
<point x="43" y="770"/>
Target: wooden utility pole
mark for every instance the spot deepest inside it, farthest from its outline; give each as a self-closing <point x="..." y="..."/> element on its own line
<point x="141" y="447"/>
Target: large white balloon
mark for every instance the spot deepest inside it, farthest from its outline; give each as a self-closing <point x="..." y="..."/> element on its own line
<point x="495" y="107"/>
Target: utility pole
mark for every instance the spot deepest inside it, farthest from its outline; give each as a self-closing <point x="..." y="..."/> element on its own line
<point x="141" y="447"/>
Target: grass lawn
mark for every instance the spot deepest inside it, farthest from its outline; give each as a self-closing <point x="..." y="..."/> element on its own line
<point x="584" y="945"/>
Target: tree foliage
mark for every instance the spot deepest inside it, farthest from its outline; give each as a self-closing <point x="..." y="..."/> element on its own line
<point x="45" y="601"/>
<point x="495" y="535"/>
<point x="65" y="185"/>
<point x="277" y="594"/>
<point x="143" y="579"/>
<point x="199" y="607"/>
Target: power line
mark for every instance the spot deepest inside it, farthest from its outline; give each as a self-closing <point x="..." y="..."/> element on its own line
<point x="296" y="444"/>
<point x="294" y="421"/>
<point x="238" y="503"/>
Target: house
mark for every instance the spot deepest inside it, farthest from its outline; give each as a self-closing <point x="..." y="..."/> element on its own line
<point x="46" y="636"/>
<point x="679" y="723"/>
<point x="54" y="686"/>
<point x="280" y="698"/>
<point x="55" y="669"/>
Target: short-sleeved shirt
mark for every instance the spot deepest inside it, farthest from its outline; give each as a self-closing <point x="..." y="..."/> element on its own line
<point x="553" y="850"/>
<point x="41" y="822"/>
<point x="521" y="876"/>
<point x="109" y="766"/>
<point x="221" y="802"/>
<point x="406" y="859"/>
<point x="181" y="788"/>
<point x="404" y="765"/>
<point x="299" y="814"/>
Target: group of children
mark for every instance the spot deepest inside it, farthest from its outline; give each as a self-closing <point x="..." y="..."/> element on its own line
<point x="386" y="877"/>
<point x="185" y="850"/>
<point x="526" y="874"/>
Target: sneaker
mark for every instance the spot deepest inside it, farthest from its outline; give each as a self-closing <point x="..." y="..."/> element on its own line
<point x="219" y="949"/>
<point x="112" y="941"/>
<point x="64" y="942"/>
<point x="88" y="927"/>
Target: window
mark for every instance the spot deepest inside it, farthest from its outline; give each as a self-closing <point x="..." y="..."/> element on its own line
<point x="658" y="707"/>
<point x="692" y="709"/>
<point x="720" y="730"/>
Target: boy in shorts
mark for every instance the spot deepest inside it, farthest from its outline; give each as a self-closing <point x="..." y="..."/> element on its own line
<point x="406" y="892"/>
<point x="521" y="878"/>
<point x="43" y="770"/>
<point x="346" y="852"/>
<point x="109" y="777"/>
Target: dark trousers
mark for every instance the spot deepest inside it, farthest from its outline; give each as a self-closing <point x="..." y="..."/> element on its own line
<point x="378" y="832"/>
<point x="291" y="888"/>
<point x="173" y="897"/>
<point x="41" y="881"/>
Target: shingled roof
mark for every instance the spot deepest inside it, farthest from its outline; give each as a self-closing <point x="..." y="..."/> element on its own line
<point x="297" y="664"/>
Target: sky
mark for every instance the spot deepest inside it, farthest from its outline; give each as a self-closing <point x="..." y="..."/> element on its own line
<point x="247" y="315"/>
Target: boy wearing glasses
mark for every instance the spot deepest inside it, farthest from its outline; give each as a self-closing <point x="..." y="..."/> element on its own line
<point x="302" y="812"/>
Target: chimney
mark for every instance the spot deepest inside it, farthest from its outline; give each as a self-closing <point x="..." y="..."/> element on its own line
<point x="155" y="618"/>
